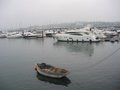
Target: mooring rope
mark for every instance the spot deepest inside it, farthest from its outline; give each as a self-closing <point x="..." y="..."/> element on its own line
<point x="105" y="58"/>
<point x="110" y="54"/>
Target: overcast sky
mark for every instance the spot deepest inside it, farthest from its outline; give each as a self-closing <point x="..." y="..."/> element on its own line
<point x="23" y="13"/>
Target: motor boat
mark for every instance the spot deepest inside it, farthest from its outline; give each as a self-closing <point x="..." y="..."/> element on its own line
<point x="77" y="35"/>
<point x="110" y="33"/>
<point x="14" y="35"/>
<point x="87" y="33"/>
<point x="3" y="35"/>
<point x="32" y="35"/>
<point x="50" y="33"/>
<point x="98" y="33"/>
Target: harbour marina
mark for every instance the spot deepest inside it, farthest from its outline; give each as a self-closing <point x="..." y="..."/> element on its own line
<point x="86" y="34"/>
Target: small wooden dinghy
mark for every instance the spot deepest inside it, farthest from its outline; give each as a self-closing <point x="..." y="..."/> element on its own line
<point x="50" y="71"/>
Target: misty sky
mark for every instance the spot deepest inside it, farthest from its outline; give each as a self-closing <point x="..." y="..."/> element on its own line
<point x="23" y="13"/>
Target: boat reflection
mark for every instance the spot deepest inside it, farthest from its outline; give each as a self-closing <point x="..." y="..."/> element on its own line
<point x="85" y="48"/>
<point x="61" y="81"/>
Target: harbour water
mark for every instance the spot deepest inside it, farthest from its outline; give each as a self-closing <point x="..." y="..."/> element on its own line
<point x="89" y="68"/>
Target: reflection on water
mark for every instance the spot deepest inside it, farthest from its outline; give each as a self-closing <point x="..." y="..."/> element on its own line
<point x="86" y="48"/>
<point x="62" y="81"/>
<point x="17" y="56"/>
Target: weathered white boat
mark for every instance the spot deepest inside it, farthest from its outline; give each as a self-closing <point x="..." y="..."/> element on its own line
<point x="50" y="71"/>
<point x="32" y="35"/>
<point x="3" y="35"/>
<point x="13" y="35"/>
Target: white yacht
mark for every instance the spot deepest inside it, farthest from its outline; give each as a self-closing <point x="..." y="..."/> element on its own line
<point x="76" y="35"/>
<point x="118" y="31"/>
<point x="99" y="33"/>
<point x="50" y="33"/>
<point x="85" y="34"/>
<point x="14" y="35"/>
<point x="110" y="33"/>
<point x="32" y="35"/>
<point x="3" y="35"/>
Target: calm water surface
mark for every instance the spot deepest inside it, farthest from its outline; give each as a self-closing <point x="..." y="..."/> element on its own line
<point x="88" y="69"/>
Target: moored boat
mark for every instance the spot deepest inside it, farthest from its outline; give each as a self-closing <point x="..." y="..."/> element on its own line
<point x="32" y="35"/>
<point x="50" y="71"/>
<point x="87" y="34"/>
<point x="50" y="33"/>
<point x="3" y="35"/>
<point x="13" y="35"/>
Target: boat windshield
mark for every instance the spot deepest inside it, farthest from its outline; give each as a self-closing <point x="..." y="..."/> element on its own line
<point x="74" y="33"/>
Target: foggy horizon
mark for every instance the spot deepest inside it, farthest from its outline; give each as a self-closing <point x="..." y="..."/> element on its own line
<point x="24" y="13"/>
